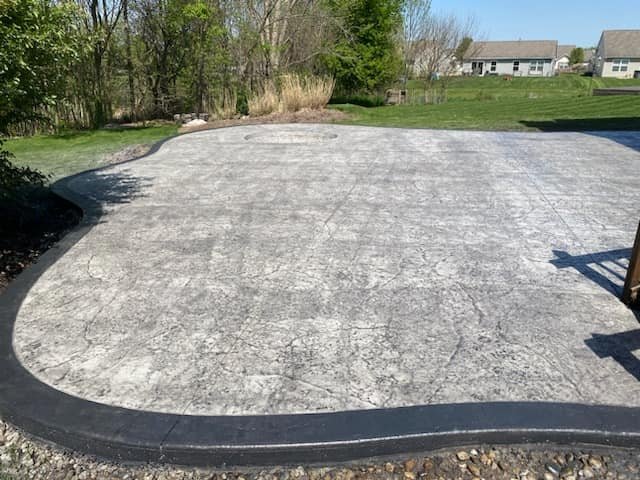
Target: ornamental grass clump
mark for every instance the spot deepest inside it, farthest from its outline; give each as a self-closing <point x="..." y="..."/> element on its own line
<point x="294" y="93"/>
<point x="264" y="101"/>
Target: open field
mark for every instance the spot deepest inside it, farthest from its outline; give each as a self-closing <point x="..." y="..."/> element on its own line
<point x="514" y="114"/>
<point x="495" y="87"/>
<point x="492" y="103"/>
<point x="73" y="152"/>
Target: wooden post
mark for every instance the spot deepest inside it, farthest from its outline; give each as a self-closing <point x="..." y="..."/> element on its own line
<point x="631" y="292"/>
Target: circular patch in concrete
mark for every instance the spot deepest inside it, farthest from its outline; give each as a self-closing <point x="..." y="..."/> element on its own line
<point x="290" y="137"/>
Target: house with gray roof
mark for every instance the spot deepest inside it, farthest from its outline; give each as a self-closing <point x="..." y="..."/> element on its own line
<point x="563" y="58"/>
<point x="521" y="58"/>
<point x="618" y="54"/>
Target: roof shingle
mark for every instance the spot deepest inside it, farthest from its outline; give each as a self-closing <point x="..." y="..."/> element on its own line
<point x="620" y="43"/>
<point x="565" y="50"/>
<point x="525" y="49"/>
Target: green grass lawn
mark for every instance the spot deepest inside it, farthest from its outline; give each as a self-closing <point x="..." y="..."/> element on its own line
<point x="496" y="88"/>
<point x="65" y="154"/>
<point x="478" y="103"/>
<point x="491" y="103"/>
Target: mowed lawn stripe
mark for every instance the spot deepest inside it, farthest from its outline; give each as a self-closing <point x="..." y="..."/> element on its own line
<point x="507" y="114"/>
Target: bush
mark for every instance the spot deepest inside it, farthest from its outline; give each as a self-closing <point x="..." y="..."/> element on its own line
<point x="15" y="180"/>
<point x="18" y="185"/>
<point x="361" y="100"/>
<point x="319" y="91"/>
<point x="264" y="101"/>
<point x="296" y="92"/>
<point x="227" y="106"/>
<point x="292" y="93"/>
<point x="242" y="103"/>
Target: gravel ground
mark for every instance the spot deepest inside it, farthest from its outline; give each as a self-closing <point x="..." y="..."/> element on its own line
<point x="23" y="458"/>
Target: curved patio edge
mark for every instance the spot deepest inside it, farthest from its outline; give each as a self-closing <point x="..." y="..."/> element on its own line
<point x="138" y="436"/>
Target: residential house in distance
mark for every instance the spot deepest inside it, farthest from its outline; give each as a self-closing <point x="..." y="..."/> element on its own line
<point x="429" y="57"/>
<point x="521" y="58"/>
<point x="618" y="54"/>
<point x="589" y="55"/>
<point x="563" y="63"/>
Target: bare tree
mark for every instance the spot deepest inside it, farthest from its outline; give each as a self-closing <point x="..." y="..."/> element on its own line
<point x="100" y="23"/>
<point x="129" y="59"/>
<point x="162" y="34"/>
<point x="271" y="36"/>
<point x="441" y="35"/>
<point x="416" y="14"/>
<point x="437" y="40"/>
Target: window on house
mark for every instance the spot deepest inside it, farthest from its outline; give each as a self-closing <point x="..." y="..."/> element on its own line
<point x="494" y="66"/>
<point x="516" y="66"/>
<point x="536" y="66"/>
<point x="620" y="65"/>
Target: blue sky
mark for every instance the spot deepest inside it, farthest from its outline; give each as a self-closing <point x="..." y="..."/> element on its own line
<point x="572" y="22"/>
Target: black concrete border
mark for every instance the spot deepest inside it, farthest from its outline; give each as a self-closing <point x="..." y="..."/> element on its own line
<point x="137" y="436"/>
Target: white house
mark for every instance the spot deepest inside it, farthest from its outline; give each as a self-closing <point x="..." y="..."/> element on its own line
<point x="522" y="58"/>
<point x="618" y="54"/>
<point x="432" y="58"/>
<point x="563" y="61"/>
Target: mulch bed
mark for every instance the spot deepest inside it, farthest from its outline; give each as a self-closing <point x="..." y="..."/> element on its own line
<point x="21" y="245"/>
<point x="302" y="116"/>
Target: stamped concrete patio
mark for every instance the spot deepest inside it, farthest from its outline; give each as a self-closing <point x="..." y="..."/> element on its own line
<point x="320" y="268"/>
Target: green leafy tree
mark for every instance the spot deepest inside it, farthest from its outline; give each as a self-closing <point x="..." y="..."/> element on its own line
<point x="576" y="56"/>
<point x="38" y="44"/>
<point x="163" y="47"/>
<point x="36" y="47"/>
<point x="206" y="59"/>
<point x="367" y="57"/>
<point x="463" y="48"/>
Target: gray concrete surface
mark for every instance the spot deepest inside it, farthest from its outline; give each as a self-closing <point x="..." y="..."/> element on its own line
<point x="304" y="268"/>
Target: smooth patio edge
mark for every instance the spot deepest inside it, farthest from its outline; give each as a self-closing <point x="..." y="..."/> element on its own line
<point x="136" y="436"/>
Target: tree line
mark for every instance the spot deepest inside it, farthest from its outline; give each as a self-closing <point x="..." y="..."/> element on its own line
<point x="83" y="63"/>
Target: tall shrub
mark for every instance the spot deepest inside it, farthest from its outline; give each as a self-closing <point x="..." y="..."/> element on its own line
<point x="36" y="45"/>
<point x="367" y="57"/>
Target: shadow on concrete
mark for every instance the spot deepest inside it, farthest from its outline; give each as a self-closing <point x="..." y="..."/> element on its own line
<point x="620" y="347"/>
<point x="623" y="130"/>
<point x="584" y="124"/>
<point x="607" y="269"/>
<point x="98" y="190"/>
<point x="116" y="188"/>
<point x="627" y="139"/>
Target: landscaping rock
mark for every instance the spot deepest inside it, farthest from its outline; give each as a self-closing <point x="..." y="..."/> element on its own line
<point x="462" y="456"/>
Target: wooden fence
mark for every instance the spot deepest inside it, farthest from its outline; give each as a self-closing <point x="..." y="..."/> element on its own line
<point x="631" y="292"/>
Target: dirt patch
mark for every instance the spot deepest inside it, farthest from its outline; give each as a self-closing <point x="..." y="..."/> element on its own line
<point x="126" y="154"/>
<point x="303" y="116"/>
